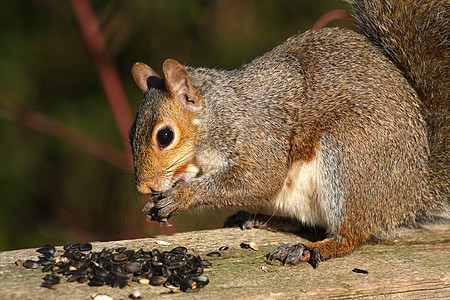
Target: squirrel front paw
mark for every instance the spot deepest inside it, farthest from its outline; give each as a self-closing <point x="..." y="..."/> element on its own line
<point x="164" y="205"/>
<point x="295" y="253"/>
<point x="241" y="219"/>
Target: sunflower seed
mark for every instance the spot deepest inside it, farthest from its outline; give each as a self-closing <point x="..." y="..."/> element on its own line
<point x="31" y="264"/>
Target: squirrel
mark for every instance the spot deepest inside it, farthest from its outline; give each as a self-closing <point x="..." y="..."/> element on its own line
<point x="333" y="128"/>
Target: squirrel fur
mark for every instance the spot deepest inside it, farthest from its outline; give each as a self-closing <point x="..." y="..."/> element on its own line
<point x="333" y="128"/>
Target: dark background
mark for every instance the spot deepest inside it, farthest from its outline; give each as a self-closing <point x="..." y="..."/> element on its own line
<point x="50" y="190"/>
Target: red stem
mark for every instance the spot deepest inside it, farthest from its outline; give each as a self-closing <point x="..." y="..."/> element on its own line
<point x="108" y="73"/>
<point x="41" y="123"/>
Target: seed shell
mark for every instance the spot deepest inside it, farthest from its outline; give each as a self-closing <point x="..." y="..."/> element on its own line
<point x="163" y="243"/>
<point x="253" y="246"/>
<point x="19" y="263"/>
<point x="135" y="295"/>
<point x="101" y="297"/>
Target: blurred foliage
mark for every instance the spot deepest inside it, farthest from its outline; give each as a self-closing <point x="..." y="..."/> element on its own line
<point x="52" y="192"/>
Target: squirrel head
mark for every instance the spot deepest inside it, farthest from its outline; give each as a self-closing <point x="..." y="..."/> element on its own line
<point x="164" y="132"/>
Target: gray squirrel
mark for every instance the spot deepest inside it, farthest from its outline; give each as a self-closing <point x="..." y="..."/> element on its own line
<point x="332" y="128"/>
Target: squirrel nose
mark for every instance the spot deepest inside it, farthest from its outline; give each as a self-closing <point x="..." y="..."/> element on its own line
<point x="144" y="188"/>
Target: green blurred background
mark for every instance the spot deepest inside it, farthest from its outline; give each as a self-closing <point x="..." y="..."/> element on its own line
<point x="53" y="192"/>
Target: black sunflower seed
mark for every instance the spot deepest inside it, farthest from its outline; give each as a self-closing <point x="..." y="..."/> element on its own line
<point x="176" y="264"/>
<point x="85" y="247"/>
<point x="100" y="272"/>
<point x="116" y="267"/>
<point x="356" y="270"/>
<point x="102" y="261"/>
<point x="157" y="280"/>
<point x="44" y="261"/>
<point x="185" y="286"/>
<point x="31" y="264"/>
<point x="129" y="254"/>
<point x="96" y="283"/>
<point x="51" y="279"/>
<point x="120" y="249"/>
<point x="214" y="254"/>
<point x="123" y="284"/>
<point x="75" y="246"/>
<point x="206" y="263"/>
<point x="77" y="256"/>
<point x="118" y="257"/>
<point x="173" y="281"/>
<point x="133" y="267"/>
<point x="120" y="275"/>
<point x="244" y="246"/>
<point x="179" y="250"/>
<point x="47" y="268"/>
<point x="47" y="250"/>
<point x="202" y="279"/>
<point x="112" y="280"/>
<point x="73" y="277"/>
<point x="156" y="253"/>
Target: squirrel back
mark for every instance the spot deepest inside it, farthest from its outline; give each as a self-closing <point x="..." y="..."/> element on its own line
<point x="415" y="35"/>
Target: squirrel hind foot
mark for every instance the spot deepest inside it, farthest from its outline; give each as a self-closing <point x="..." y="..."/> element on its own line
<point x="313" y="253"/>
<point x="295" y="253"/>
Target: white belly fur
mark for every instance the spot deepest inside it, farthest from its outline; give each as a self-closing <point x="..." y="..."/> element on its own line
<point x="300" y="196"/>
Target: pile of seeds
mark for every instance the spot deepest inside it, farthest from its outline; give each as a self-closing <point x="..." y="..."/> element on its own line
<point x="119" y="267"/>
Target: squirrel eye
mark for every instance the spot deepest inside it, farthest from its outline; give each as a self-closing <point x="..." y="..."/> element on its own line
<point x="165" y="136"/>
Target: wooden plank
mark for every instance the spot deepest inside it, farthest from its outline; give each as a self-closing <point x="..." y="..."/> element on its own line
<point x="413" y="266"/>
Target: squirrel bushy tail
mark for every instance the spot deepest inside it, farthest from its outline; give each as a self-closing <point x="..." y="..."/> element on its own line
<point x="414" y="35"/>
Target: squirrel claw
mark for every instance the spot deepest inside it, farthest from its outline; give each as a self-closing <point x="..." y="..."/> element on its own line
<point x="147" y="208"/>
<point x="153" y="216"/>
<point x="164" y="222"/>
<point x="161" y="207"/>
<point x="294" y="253"/>
<point x="152" y="213"/>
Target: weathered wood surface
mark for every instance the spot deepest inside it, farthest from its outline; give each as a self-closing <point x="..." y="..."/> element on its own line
<point x="416" y="265"/>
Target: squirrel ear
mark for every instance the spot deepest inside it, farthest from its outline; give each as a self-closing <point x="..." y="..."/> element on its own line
<point x="144" y="76"/>
<point x="179" y="84"/>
